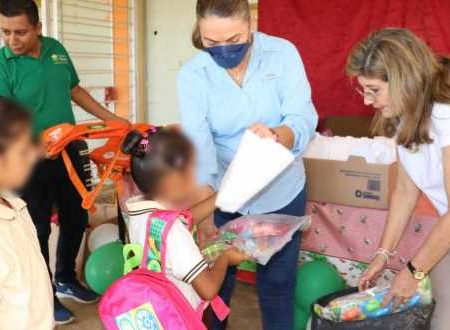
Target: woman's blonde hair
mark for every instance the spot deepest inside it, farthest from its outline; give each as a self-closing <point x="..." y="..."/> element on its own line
<point x="219" y="8"/>
<point x="417" y="79"/>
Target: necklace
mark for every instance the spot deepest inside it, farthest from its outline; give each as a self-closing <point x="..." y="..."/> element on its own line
<point x="240" y="75"/>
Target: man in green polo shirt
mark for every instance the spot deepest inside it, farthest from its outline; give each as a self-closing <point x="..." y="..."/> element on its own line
<point x="38" y="72"/>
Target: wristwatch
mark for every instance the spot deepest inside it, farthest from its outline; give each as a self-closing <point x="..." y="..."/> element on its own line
<point x="417" y="273"/>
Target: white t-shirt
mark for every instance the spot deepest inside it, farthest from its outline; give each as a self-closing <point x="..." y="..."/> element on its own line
<point x="26" y="295"/>
<point x="425" y="166"/>
<point x="184" y="261"/>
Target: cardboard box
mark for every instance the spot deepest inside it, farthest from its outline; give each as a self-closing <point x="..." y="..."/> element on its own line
<point x="356" y="126"/>
<point x="353" y="182"/>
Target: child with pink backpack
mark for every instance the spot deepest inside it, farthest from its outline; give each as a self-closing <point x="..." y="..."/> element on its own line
<point x="173" y="284"/>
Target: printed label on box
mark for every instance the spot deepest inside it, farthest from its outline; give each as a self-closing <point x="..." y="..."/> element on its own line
<point x="357" y="174"/>
<point x="373" y="187"/>
<point x="366" y="195"/>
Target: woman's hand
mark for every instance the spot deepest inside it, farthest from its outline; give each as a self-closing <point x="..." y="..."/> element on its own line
<point x="264" y="131"/>
<point x="403" y="287"/>
<point x="372" y="273"/>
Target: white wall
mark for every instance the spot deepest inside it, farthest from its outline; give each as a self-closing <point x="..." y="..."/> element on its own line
<point x="85" y="27"/>
<point x="86" y="31"/>
<point x="168" y="50"/>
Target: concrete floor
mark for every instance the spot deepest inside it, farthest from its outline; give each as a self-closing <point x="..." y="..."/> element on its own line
<point x="244" y="306"/>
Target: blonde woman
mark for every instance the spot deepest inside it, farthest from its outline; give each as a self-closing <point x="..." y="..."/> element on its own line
<point x="409" y="87"/>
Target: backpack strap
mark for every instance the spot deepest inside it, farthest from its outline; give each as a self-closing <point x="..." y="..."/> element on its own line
<point x="159" y="224"/>
<point x="218" y="306"/>
<point x="132" y="254"/>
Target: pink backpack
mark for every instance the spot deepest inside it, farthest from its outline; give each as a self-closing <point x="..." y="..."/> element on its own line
<point x="145" y="299"/>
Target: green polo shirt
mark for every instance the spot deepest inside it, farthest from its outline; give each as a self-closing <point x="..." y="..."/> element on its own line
<point x="43" y="85"/>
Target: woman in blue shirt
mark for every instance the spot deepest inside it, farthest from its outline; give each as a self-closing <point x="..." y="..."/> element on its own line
<point x="243" y="80"/>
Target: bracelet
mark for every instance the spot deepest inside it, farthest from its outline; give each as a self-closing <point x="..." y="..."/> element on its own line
<point x="385" y="253"/>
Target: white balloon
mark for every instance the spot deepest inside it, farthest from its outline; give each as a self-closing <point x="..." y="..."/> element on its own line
<point x="102" y="235"/>
<point x="308" y="327"/>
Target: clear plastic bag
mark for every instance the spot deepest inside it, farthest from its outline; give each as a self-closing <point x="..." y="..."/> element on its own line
<point x="368" y="304"/>
<point x="260" y="236"/>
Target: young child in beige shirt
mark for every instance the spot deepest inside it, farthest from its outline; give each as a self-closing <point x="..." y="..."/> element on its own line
<point x="26" y="298"/>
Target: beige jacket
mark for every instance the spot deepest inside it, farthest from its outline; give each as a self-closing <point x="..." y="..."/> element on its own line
<point x="26" y="298"/>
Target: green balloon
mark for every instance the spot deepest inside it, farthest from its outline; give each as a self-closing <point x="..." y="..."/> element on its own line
<point x="104" y="266"/>
<point x="316" y="279"/>
<point x="301" y="318"/>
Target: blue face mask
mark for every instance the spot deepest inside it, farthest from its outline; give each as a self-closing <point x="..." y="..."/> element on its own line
<point x="228" y="56"/>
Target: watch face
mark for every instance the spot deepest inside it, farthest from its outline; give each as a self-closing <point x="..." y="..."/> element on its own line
<point x="419" y="275"/>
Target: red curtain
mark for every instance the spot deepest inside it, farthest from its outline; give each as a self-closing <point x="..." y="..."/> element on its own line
<point x="326" y="30"/>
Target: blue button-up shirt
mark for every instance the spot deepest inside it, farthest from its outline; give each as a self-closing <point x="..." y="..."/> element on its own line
<point x="215" y="112"/>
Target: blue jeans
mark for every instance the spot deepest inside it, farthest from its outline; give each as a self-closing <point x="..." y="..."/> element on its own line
<point x="275" y="282"/>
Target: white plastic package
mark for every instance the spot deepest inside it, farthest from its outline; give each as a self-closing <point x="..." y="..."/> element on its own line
<point x="379" y="150"/>
<point x="257" y="163"/>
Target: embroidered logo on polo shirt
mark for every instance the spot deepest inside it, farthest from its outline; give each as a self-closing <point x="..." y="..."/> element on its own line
<point x="270" y="76"/>
<point x="59" y="59"/>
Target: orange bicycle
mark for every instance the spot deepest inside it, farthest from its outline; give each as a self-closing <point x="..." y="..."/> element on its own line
<point x="111" y="163"/>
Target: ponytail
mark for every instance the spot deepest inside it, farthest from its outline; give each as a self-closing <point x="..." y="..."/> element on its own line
<point x="155" y="154"/>
<point x="130" y="145"/>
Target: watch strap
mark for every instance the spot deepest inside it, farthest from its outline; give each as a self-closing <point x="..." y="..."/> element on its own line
<point x="411" y="268"/>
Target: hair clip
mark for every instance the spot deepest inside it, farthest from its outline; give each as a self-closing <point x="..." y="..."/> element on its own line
<point x="144" y="144"/>
<point x="153" y="130"/>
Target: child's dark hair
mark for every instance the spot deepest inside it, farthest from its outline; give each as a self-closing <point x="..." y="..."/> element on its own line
<point x="14" y="120"/>
<point x="156" y="154"/>
<point x="13" y="8"/>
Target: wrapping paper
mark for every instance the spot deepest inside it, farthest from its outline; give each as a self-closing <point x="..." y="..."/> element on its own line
<point x="354" y="233"/>
<point x="256" y="164"/>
